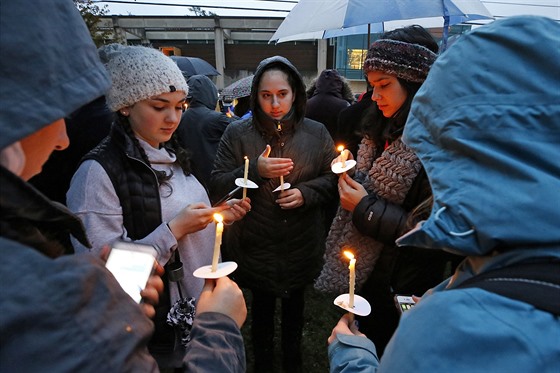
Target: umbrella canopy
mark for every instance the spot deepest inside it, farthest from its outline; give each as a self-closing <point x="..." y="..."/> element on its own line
<point x="314" y="19"/>
<point x="237" y="89"/>
<point x="190" y="66"/>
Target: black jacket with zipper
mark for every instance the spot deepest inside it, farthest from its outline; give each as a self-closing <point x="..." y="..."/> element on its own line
<point x="277" y="250"/>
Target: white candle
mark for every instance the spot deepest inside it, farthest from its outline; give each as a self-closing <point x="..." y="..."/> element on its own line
<point x="343" y="155"/>
<point x="245" y="175"/>
<point x="281" y="183"/>
<point x="352" y="281"/>
<point x="218" y="242"/>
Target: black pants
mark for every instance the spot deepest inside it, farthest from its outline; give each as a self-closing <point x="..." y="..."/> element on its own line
<point x="262" y="329"/>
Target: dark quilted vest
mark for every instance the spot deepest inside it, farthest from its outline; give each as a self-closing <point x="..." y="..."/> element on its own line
<point x="136" y="186"/>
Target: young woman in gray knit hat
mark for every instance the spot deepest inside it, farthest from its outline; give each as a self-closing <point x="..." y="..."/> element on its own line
<point x="389" y="183"/>
<point x="137" y="186"/>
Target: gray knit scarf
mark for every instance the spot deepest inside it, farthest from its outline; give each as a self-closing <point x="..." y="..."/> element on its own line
<point x="390" y="176"/>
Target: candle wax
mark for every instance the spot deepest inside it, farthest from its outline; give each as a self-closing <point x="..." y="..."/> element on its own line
<point x="352" y="282"/>
<point x="245" y="175"/>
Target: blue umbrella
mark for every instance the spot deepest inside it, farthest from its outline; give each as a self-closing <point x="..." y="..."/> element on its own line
<point x="318" y="19"/>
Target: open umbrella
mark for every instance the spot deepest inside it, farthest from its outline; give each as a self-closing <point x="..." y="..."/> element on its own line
<point x="237" y="89"/>
<point x="190" y="66"/>
<point x="311" y="19"/>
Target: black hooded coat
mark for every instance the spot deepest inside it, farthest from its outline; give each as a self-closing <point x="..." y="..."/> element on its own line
<point x="327" y="100"/>
<point x="277" y="250"/>
<point x="201" y="126"/>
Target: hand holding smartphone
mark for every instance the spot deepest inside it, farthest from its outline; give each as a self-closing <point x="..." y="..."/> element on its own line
<point x="404" y="303"/>
<point x="132" y="265"/>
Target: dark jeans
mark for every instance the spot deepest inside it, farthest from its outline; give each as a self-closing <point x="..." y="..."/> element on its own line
<point x="262" y="329"/>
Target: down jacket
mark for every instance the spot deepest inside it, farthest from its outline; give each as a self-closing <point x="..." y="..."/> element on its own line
<point x="277" y="250"/>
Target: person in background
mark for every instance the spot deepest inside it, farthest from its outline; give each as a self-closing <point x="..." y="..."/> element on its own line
<point x="487" y="147"/>
<point x="279" y="245"/>
<point x="239" y="93"/>
<point x="137" y="185"/>
<point x="67" y="313"/>
<point x="242" y="108"/>
<point x="326" y="97"/>
<point x="389" y="183"/>
<point x="349" y="121"/>
<point x="201" y="126"/>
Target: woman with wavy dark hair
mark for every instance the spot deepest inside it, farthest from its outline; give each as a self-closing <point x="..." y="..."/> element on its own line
<point x="389" y="183"/>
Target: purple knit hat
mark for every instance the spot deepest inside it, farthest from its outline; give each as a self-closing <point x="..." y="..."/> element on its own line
<point x="407" y="61"/>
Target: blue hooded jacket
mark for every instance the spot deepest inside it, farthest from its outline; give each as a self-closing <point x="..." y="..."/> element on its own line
<point x="66" y="314"/>
<point x="44" y="75"/>
<point x="485" y="125"/>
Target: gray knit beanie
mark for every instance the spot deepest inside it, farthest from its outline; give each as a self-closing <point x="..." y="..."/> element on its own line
<point x="407" y="61"/>
<point x="138" y="73"/>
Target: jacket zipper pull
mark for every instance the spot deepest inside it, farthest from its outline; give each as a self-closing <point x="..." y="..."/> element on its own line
<point x="279" y="126"/>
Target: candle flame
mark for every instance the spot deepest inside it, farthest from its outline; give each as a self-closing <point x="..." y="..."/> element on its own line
<point x="219" y="218"/>
<point x="340" y="148"/>
<point x="245" y="157"/>
<point x="349" y="255"/>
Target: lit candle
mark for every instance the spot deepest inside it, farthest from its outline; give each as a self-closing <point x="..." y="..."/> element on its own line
<point x="245" y="175"/>
<point x="218" y="242"/>
<point x="352" y="282"/>
<point x="343" y="155"/>
<point x="281" y="183"/>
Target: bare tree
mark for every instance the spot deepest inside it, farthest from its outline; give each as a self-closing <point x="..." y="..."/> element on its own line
<point x="198" y="11"/>
<point x="92" y="13"/>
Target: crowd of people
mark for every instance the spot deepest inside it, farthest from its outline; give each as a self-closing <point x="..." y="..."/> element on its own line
<point x="454" y="198"/>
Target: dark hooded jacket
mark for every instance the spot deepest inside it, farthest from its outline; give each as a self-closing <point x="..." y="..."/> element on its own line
<point x="277" y="250"/>
<point x="201" y="126"/>
<point x="58" y="313"/>
<point x="327" y="100"/>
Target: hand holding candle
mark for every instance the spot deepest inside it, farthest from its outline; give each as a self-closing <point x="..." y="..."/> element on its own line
<point x="245" y="175"/>
<point x="352" y="281"/>
<point x="218" y="241"/>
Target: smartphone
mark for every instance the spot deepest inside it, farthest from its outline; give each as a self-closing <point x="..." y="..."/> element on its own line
<point x="132" y="264"/>
<point x="227" y="197"/>
<point x="404" y="303"/>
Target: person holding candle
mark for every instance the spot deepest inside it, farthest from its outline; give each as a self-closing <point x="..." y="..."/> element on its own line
<point x="278" y="246"/>
<point x="137" y="185"/>
<point x="62" y="312"/>
<point x="388" y="183"/>
<point x="504" y="323"/>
